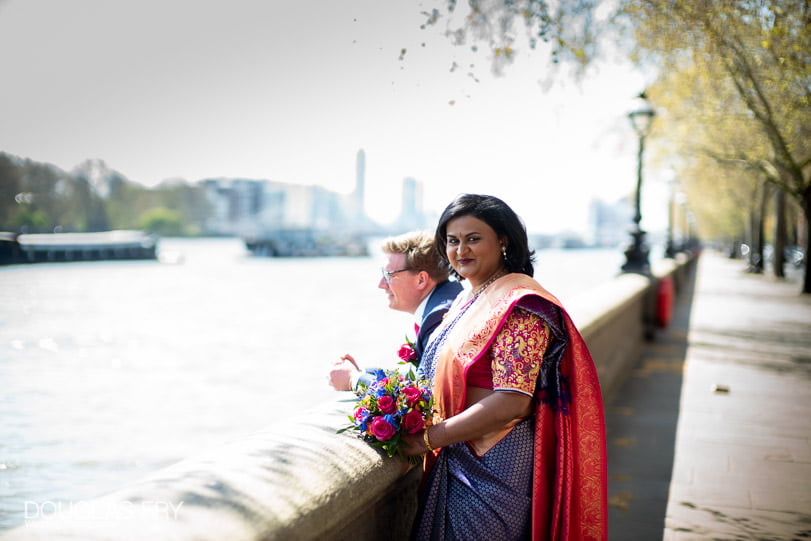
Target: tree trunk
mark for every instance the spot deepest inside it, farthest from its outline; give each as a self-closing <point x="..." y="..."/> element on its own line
<point x="807" y="211"/>
<point x="758" y="217"/>
<point x="779" y="253"/>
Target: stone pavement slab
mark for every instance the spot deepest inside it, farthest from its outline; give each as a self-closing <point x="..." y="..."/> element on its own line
<point x="742" y="465"/>
<point x="688" y="461"/>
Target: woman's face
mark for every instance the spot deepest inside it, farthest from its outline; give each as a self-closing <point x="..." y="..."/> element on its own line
<point x="473" y="249"/>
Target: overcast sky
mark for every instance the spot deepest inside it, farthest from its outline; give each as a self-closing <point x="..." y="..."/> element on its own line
<point x="291" y="90"/>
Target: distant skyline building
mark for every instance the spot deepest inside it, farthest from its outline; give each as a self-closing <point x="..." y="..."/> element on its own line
<point x="250" y="207"/>
<point x="255" y="207"/>
<point x="359" y="195"/>
<point x="412" y="215"/>
<point x="609" y="223"/>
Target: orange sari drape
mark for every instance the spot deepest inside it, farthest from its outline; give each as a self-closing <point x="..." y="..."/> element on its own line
<point x="569" y="499"/>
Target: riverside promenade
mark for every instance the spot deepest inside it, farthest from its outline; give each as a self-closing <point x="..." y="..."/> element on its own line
<point x="709" y="436"/>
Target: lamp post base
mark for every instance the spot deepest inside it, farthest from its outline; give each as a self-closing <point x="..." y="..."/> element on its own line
<point x="670" y="249"/>
<point x="636" y="256"/>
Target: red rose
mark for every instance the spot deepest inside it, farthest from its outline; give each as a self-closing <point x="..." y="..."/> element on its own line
<point x="386" y="404"/>
<point x="412" y="422"/>
<point x="407" y="353"/>
<point x="412" y="395"/>
<point x="382" y="429"/>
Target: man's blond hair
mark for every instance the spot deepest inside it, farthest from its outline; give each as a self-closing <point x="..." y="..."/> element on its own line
<point x="420" y="253"/>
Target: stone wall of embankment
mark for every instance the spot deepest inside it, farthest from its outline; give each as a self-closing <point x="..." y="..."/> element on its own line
<point x="300" y="480"/>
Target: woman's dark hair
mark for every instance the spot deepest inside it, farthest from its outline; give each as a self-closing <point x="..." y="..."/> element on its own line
<point x="498" y="215"/>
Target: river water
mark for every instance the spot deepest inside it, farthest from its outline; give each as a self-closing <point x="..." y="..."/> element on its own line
<point x="111" y="370"/>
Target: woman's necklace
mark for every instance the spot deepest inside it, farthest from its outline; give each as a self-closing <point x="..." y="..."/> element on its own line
<point x="496" y="275"/>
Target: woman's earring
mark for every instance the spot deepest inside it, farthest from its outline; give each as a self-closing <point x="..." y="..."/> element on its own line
<point x="504" y="252"/>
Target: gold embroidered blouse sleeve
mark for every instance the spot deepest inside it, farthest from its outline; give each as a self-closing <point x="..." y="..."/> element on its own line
<point x="517" y="352"/>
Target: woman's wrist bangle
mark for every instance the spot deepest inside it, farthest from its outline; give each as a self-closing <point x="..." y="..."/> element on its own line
<point x="426" y="440"/>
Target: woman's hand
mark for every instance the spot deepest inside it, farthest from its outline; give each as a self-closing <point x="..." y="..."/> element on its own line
<point x="413" y="444"/>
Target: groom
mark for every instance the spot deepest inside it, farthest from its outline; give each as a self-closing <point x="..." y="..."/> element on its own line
<point x="415" y="280"/>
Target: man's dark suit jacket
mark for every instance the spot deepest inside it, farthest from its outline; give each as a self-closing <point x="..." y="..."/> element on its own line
<point x="439" y="301"/>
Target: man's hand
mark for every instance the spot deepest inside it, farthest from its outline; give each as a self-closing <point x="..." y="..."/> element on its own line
<point x="342" y="373"/>
<point x="351" y="359"/>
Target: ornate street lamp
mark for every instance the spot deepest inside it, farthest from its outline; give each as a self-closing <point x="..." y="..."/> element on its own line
<point x="636" y="256"/>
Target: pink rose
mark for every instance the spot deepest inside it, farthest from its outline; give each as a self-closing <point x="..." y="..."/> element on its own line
<point x="407" y="353"/>
<point x="386" y="404"/>
<point x="412" y="422"/>
<point x="382" y="429"/>
<point x="412" y="395"/>
<point x="360" y="413"/>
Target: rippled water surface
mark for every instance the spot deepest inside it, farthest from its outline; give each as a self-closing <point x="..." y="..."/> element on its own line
<point x="110" y="370"/>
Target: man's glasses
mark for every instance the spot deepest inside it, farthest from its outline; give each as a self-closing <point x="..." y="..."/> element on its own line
<point x="387" y="275"/>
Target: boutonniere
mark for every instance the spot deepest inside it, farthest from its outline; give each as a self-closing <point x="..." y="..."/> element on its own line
<point x="407" y="352"/>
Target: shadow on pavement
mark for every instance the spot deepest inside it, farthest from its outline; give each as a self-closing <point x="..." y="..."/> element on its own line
<point x="641" y="420"/>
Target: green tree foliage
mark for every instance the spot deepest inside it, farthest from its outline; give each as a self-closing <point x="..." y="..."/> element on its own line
<point x="722" y="193"/>
<point x="42" y="185"/>
<point x="11" y="197"/>
<point x="735" y="86"/>
<point x="735" y="77"/>
<point x="190" y="203"/>
<point x="162" y="221"/>
<point x="37" y="197"/>
<point x="41" y="198"/>
<point x="125" y="204"/>
<point x="83" y="208"/>
<point x="566" y="28"/>
<point x="31" y="221"/>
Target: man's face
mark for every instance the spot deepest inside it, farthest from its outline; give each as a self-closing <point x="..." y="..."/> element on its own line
<point x="402" y="285"/>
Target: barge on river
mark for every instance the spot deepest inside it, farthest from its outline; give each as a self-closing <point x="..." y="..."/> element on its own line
<point x="61" y="247"/>
<point x="305" y="243"/>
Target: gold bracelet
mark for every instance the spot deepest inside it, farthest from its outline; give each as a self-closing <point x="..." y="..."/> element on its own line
<point x="426" y="440"/>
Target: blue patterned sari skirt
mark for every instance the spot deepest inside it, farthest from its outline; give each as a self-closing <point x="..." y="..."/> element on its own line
<point x="489" y="498"/>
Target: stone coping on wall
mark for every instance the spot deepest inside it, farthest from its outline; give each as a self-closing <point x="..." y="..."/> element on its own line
<point x="293" y="480"/>
<point x="297" y="479"/>
<point x="593" y="308"/>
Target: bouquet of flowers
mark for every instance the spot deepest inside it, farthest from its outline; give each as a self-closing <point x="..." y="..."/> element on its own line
<point x="393" y="405"/>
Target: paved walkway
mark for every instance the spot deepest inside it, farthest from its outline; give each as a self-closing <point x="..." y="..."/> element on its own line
<point x="709" y="437"/>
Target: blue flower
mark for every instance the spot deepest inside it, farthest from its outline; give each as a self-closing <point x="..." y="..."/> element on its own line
<point x="393" y="419"/>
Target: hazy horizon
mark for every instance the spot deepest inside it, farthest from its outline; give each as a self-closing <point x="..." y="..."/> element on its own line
<point x="288" y="92"/>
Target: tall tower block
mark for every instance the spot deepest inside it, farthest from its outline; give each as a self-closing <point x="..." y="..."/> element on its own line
<point x="411" y="215"/>
<point x="360" y="182"/>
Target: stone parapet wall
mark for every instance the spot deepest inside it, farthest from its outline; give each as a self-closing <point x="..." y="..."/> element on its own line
<point x="300" y="480"/>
